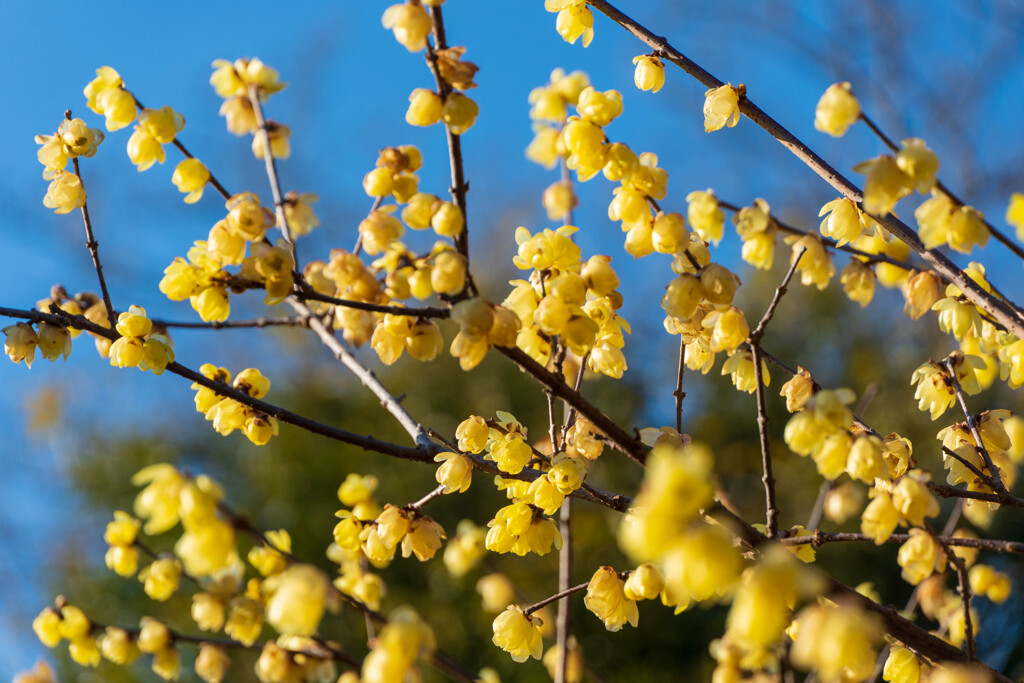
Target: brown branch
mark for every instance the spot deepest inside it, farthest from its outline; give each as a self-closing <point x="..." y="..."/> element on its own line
<point x="630" y="445"/>
<point x="982" y="477"/>
<point x="952" y="492"/>
<point x="821" y="538"/>
<point x="972" y="424"/>
<point x="945" y="267"/>
<point x="309" y="294"/>
<point x="998" y="234"/>
<point x="259" y="323"/>
<point x="459" y="186"/>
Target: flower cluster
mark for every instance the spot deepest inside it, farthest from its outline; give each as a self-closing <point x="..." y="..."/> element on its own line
<point x="240" y="81"/>
<point x="227" y="414"/>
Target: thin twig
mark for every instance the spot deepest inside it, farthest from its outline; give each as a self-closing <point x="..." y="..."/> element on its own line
<point x="819" y="505"/>
<point x="91" y="244"/>
<point x="679" y="394"/>
<point x="459" y="186"/>
<point x="952" y="492"/>
<point x="972" y="424"/>
<point x="437" y="492"/>
<point x="630" y="445"/>
<point x="937" y="260"/>
<point x="563" y="622"/>
<point x="964" y="588"/>
<point x="259" y="323"/>
<point x="309" y="294"/>
<point x="275" y="185"/>
<point x="188" y="155"/>
<point x="365" y="375"/>
<point x="982" y="477"/>
<point x="768" y="476"/>
<point x="557" y="596"/>
<point x="998" y="234"/>
<point x="822" y="537"/>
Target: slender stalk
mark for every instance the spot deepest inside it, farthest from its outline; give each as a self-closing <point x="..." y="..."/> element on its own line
<point x="258" y="323"/>
<point x="275" y="186"/>
<point x="630" y="445"/>
<point x="679" y="394"/>
<point x="1003" y="313"/>
<point x="92" y="245"/>
<point x="459" y="186"/>
<point x="821" y="538"/>
<point x="436" y="493"/>
<point x="563" y="622"/>
<point x="768" y="476"/>
<point x="557" y="596"/>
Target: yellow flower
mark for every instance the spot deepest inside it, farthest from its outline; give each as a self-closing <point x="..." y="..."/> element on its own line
<point x="988" y="582"/>
<point x="47" y="627"/>
<point x="885" y="184"/>
<point x="815" y="266"/>
<point x="798" y="390"/>
<point x="83" y="650"/>
<point x="117" y="646"/>
<point x="722" y="107"/>
<point x="231" y="79"/>
<point x="729" y="329"/>
<point x="837" y="641"/>
<point x="298" y="209"/>
<point x="913" y="500"/>
<point x="239" y="114"/>
<point x="459" y="112"/>
<point x="1015" y="213"/>
<point x="510" y="452"/>
<point x="902" y="666"/>
<point x="518" y="634"/>
<point x="161" y="578"/>
<point x="106" y="95"/>
<point x="190" y="177"/>
<point x="607" y="600"/>
<point x="649" y="73"/>
<point x="298" y="599"/>
<point x="425" y="108"/>
<point x="472" y="434"/>
<point x="455" y="472"/>
<point x="644" y="583"/>
<point x="424" y="538"/>
<point x="212" y="663"/>
<point x="573" y="21"/>
<point x="497" y="592"/>
<point x="207" y="611"/>
<point x="392" y="525"/>
<point x="919" y="557"/>
<point x="919" y="163"/>
<point x="705" y="216"/>
<point x="865" y="461"/>
<point x="245" y="620"/>
<point x="20" y="343"/>
<point x="123" y="530"/>
<point x="167" y="664"/>
<point x="410" y="23"/>
<point x="153" y="636"/>
<point x="843" y="502"/>
<point x="160" y="124"/>
<point x="837" y="110"/>
<point x="65" y="193"/>
<point x="844" y="221"/>
<point x="966" y="229"/>
<point x="740" y="366"/>
<point x="40" y="673"/>
<point x="280" y="147"/>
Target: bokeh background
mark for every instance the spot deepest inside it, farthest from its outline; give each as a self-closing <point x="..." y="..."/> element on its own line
<point x="950" y="72"/>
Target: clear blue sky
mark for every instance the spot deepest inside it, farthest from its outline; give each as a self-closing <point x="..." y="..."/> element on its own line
<point x="949" y="72"/>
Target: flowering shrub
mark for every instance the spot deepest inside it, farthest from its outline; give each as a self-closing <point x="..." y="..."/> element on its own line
<point x="563" y="323"/>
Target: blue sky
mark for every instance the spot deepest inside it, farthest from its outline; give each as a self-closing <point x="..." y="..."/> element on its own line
<point x="949" y="72"/>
